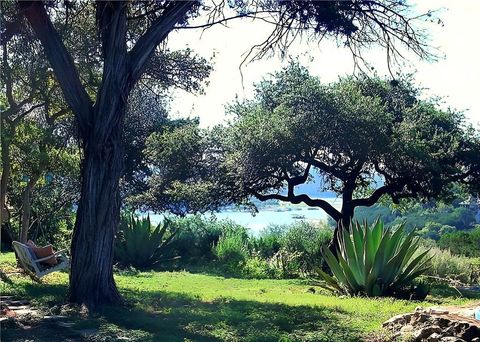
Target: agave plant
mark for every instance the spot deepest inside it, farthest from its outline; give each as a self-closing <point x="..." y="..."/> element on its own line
<point x="140" y="244"/>
<point x="374" y="261"/>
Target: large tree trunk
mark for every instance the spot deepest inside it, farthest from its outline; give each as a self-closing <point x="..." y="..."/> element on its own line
<point x="101" y="129"/>
<point x="27" y="208"/>
<point x="98" y="214"/>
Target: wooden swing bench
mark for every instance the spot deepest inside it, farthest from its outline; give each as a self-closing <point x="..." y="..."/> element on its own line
<point x="33" y="266"/>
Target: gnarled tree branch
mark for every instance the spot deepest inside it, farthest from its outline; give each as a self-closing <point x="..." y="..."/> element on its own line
<point x="295" y="199"/>
<point x="60" y="60"/>
<point x="156" y="33"/>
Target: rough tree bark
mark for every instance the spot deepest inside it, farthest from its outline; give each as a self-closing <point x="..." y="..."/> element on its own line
<point x="101" y="129"/>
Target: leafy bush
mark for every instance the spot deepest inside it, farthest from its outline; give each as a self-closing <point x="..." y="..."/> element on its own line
<point x="286" y="264"/>
<point x="465" y="243"/>
<point x="434" y="230"/>
<point x="308" y="240"/>
<point x="196" y="236"/>
<point x="257" y="268"/>
<point x="370" y="213"/>
<point x="140" y="244"/>
<point x="374" y="261"/>
<point x="231" y="251"/>
<point x="268" y="242"/>
<point x="298" y="244"/>
<point x="445" y="265"/>
<point x="446" y="215"/>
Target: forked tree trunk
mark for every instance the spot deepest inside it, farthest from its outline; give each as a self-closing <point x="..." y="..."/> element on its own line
<point x="101" y="129"/>
<point x="98" y="214"/>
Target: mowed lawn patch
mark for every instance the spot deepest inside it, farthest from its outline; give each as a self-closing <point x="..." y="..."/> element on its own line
<point x="183" y="306"/>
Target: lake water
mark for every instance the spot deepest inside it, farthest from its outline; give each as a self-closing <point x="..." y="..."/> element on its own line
<point x="263" y="218"/>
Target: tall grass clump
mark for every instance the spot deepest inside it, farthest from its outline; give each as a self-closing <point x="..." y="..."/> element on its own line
<point x="293" y="249"/>
<point x="231" y="250"/>
<point x="454" y="268"/>
<point x="197" y="235"/>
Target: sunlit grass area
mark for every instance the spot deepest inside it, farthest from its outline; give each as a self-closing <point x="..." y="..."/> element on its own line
<point x="184" y="306"/>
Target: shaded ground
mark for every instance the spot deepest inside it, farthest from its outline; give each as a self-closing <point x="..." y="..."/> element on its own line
<point x="180" y="306"/>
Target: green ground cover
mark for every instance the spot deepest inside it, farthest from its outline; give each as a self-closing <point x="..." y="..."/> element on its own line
<point x="184" y="306"/>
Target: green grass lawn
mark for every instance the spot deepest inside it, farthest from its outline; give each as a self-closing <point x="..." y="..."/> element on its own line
<point x="183" y="306"/>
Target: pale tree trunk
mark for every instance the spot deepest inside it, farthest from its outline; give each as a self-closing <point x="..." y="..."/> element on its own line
<point x="4" y="179"/>
<point x="27" y="208"/>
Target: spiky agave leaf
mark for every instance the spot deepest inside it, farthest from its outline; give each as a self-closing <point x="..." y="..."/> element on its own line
<point x="139" y="243"/>
<point x="374" y="261"/>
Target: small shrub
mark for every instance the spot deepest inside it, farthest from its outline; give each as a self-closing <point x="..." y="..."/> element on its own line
<point x="269" y="241"/>
<point x="231" y="251"/>
<point x="257" y="268"/>
<point x="445" y="265"/>
<point x="285" y="264"/>
<point x="307" y="240"/>
<point x="299" y="243"/>
<point x="196" y="236"/>
<point x="434" y="230"/>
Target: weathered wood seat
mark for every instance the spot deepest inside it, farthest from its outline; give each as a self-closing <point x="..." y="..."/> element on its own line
<point x="33" y="266"/>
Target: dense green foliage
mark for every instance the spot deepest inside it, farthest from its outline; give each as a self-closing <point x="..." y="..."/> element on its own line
<point x="139" y="243"/>
<point x="197" y="235"/>
<point x="365" y="138"/>
<point x="465" y="243"/>
<point x="431" y="219"/>
<point x="374" y="261"/>
<point x="231" y="250"/>
<point x="451" y="267"/>
<point x="181" y="170"/>
<point x="285" y="251"/>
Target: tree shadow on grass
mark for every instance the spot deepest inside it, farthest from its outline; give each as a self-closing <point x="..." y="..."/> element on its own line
<point x="445" y="291"/>
<point x="170" y="316"/>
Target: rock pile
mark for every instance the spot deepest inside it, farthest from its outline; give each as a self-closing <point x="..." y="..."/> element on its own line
<point x="435" y="325"/>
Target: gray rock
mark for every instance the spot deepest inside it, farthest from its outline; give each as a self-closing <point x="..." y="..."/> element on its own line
<point x="406" y="330"/>
<point x="469" y="333"/>
<point x="421" y="318"/>
<point x="54" y="317"/>
<point x="442" y="322"/>
<point x="435" y="337"/>
<point x="426" y="332"/>
<point x="451" y="339"/>
<point x="398" y="319"/>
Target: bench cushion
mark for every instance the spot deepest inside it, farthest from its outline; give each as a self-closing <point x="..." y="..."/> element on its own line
<point x="43" y="252"/>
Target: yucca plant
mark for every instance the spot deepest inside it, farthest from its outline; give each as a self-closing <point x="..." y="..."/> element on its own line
<point x="374" y="261"/>
<point x="140" y="244"/>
